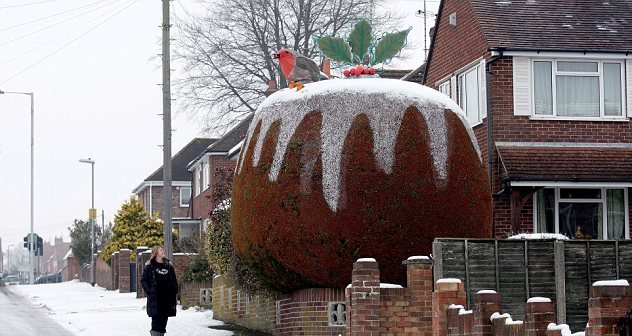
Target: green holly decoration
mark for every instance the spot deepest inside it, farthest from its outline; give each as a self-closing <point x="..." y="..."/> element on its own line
<point x="336" y="48"/>
<point x="360" y="46"/>
<point x="389" y="46"/>
<point x="360" y="40"/>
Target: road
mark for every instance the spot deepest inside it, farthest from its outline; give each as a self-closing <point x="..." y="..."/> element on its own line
<point x="21" y="318"/>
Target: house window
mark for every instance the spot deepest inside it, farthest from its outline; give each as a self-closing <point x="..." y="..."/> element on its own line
<point x="185" y="196"/>
<point x="469" y="86"/>
<point x="445" y="88"/>
<point x="206" y="175"/>
<point x="578" y="89"/>
<point x="582" y="213"/>
<point x="197" y="182"/>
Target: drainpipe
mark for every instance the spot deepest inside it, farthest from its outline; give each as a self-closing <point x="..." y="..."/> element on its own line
<point x="151" y="199"/>
<point x="490" y="123"/>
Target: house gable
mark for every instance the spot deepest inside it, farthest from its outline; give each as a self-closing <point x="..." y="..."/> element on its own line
<point x="454" y="47"/>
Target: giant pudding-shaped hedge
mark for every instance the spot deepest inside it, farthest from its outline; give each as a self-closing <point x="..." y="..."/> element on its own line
<point x="346" y="169"/>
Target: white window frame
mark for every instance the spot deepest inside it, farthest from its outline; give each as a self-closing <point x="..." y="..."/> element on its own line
<point x="460" y="99"/>
<point x="599" y="73"/>
<point x="197" y="181"/>
<point x="182" y="204"/>
<point x="444" y="87"/>
<point x="604" y="207"/>
<point x="206" y="172"/>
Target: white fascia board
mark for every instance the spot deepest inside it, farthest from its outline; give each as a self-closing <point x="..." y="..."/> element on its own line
<point x="568" y="54"/>
<point x="193" y="165"/>
<point x="563" y="144"/>
<point x="568" y="184"/>
<point x="147" y="184"/>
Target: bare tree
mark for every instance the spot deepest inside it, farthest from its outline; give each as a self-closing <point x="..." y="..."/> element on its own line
<point x="227" y="53"/>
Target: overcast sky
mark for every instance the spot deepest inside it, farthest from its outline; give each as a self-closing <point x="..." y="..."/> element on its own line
<point x="95" y="77"/>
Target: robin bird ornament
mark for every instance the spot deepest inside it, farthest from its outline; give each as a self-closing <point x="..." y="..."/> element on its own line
<point x="298" y="69"/>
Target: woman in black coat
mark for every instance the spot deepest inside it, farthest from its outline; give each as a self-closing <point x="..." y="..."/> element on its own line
<point x="161" y="286"/>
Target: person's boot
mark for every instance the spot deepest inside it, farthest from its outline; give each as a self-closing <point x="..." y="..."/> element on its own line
<point x="155" y="333"/>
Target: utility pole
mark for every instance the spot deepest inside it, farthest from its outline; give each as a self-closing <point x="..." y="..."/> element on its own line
<point x="166" y="129"/>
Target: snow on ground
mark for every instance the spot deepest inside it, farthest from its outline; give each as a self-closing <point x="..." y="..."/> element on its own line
<point x="93" y="311"/>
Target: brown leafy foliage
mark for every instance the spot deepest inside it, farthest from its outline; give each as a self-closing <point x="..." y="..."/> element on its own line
<point x="287" y="234"/>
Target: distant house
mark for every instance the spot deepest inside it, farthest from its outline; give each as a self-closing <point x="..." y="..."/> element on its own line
<point x="52" y="259"/>
<point x="217" y="157"/>
<point x="547" y="88"/>
<point x="150" y="191"/>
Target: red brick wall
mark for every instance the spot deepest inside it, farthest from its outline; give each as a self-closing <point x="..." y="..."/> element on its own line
<point x="71" y="269"/>
<point x="103" y="273"/>
<point x="303" y="312"/>
<point x="190" y="294"/>
<point x="203" y="203"/>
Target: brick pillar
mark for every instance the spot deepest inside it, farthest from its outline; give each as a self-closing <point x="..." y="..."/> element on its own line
<point x="538" y="313"/>
<point x="453" y="320"/>
<point x="486" y="303"/>
<point x="609" y="301"/>
<point x="498" y="325"/>
<point x="466" y="322"/>
<point x="447" y="292"/>
<point x="515" y="329"/>
<point x="140" y="264"/>
<point x="419" y="274"/>
<point x="124" y="276"/>
<point x="365" y="298"/>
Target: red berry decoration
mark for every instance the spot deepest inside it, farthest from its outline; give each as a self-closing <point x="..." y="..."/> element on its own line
<point x="359" y="69"/>
<point x="346" y="73"/>
<point x="352" y="71"/>
<point x="365" y="71"/>
<point x="372" y="71"/>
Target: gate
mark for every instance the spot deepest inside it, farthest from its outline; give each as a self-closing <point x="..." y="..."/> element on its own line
<point x="132" y="277"/>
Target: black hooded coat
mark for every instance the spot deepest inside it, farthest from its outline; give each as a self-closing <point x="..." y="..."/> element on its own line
<point x="161" y="298"/>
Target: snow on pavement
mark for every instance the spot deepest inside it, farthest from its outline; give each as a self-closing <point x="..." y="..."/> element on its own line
<point x="93" y="311"/>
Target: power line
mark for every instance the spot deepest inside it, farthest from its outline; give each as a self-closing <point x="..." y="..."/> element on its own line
<point x="28" y="4"/>
<point x="57" y="38"/>
<point x="50" y="16"/>
<point x="56" y="24"/>
<point x="65" y="45"/>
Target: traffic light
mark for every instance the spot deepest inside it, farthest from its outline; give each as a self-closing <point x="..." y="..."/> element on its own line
<point x="38" y="243"/>
<point x="40" y="246"/>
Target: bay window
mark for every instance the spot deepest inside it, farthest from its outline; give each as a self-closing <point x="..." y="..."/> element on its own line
<point x="578" y="89"/>
<point x="582" y="213"/>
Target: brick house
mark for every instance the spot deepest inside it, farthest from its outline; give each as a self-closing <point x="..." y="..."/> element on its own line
<point x="547" y="87"/>
<point x="52" y="259"/>
<point x="219" y="156"/>
<point x="150" y="191"/>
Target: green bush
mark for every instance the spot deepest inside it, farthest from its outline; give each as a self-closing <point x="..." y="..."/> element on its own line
<point x="198" y="270"/>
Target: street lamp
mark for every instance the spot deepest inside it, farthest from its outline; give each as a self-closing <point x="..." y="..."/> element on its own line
<point x="91" y="218"/>
<point x="32" y="243"/>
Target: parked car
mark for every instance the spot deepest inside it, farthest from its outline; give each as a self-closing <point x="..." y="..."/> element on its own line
<point x="1" y="283"/>
<point x="12" y="280"/>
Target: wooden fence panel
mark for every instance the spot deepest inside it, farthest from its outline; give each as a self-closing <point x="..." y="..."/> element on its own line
<point x="577" y="283"/>
<point x="625" y="259"/>
<point x="541" y="261"/>
<point x="520" y="269"/>
<point x="481" y="267"/>
<point x="453" y="255"/>
<point x="512" y="276"/>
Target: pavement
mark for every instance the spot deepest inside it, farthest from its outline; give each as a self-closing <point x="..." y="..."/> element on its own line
<point x="21" y="318"/>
